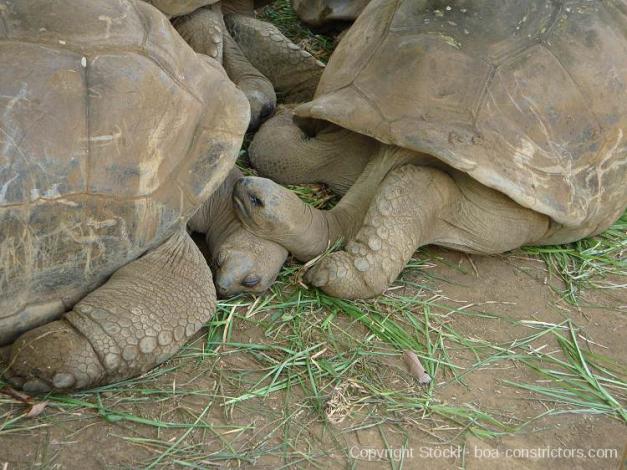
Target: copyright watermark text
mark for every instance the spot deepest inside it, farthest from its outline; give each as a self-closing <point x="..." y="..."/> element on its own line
<point x="458" y="452"/>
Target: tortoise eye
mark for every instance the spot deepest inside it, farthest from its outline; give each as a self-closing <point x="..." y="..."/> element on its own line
<point x="255" y="201"/>
<point x="251" y="280"/>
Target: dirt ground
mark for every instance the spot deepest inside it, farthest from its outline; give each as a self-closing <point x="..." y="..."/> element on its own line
<point x="279" y="431"/>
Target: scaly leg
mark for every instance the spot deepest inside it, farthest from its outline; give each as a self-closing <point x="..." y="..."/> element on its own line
<point x="142" y="316"/>
<point x="275" y="213"/>
<point x="416" y="206"/>
<point x="294" y="72"/>
<point x="204" y="30"/>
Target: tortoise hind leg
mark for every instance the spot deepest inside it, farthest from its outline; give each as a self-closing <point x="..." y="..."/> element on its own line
<point x="416" y="206"/>
<point x="145" y="312"/>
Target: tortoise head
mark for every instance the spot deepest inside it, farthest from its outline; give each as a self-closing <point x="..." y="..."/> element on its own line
<point x="270" y="210"/>
<point x="244" y="263"/>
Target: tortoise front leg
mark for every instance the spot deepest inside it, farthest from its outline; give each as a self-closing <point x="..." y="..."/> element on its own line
<point x="204" y="30"/>
<point x="293" y="71"/>
<point x="142" y="316"/>
<point x="251" y="81"/>
<point x="416" y="206"/>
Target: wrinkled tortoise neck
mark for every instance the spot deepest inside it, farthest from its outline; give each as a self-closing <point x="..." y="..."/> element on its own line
<point x="322" y="229"/>
<point x="216" y="217"/>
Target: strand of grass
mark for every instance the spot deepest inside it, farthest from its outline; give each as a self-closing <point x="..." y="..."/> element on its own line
<point x="582" y="366"/>
<point x="479" y="422"/>
<point x="388" y="330"/>
<point x="177" y="442"/>
<point x="282" y="15"/>
<point x="580" y="388"/>
<point x="327" y="370"/>
<point x="379" y="327"/>
<point x="581" y="263"/>
<point x="594" y="397"/>
<point x="8" y="426"/>
<point x="382" y="326"/>
<point x="577" y="384"/>
<point x="112" y="415"/>
<point x="388" y="448"/>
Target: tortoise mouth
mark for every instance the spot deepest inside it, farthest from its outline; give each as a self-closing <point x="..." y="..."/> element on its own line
<point x="246" y="200"/>
<point x="242" y="208"/>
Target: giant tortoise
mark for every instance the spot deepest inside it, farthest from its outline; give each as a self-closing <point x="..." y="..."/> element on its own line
<point x="113" y="133"/>
<point x="476" y="125"/>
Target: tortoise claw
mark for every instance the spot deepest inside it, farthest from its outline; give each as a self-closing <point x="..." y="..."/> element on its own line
<point x="36" y="386"/>
<point x="63" y="381"/>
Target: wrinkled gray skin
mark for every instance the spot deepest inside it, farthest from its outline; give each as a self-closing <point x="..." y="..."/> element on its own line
<point x="240" y="261"/>
<point x="259" y="59"/>
<point x="322" y="12"/>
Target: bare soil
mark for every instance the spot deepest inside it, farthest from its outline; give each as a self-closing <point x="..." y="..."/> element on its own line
<point x="511" y="286"/>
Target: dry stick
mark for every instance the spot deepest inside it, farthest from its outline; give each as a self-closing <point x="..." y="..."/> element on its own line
<point x="19" y="396"/>
<point x="415" y="367"/>
<point x="35" y="409"/>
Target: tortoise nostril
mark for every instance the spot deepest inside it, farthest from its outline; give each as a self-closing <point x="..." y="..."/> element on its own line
<point x="251" y="281"/>
<point x="255" y="201"/>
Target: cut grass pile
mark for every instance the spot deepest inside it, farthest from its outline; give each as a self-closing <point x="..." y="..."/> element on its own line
<point x="599" y="261"/>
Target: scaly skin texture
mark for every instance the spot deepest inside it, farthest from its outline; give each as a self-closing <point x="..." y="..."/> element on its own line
<point x="275" y="213"/>
<point x="416" y="206"/>
<point x="204" y="30"/>
<point x="392" y="209"/>
<point x="256" y="87"/>
<point x="256" y="55"/>
<point x="294" y="72"/>
<point x="241" y="261"/>
<point x="144" y="314"/>
<point x="392" y="229"/>
<point x="282" y="152"/>
<point x="447" y="84"/>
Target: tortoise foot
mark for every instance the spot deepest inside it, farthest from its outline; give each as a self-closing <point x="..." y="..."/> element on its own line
<point x="54" y="357"/>
<point x="339" y="275"/>
<point x="138" y="319"/>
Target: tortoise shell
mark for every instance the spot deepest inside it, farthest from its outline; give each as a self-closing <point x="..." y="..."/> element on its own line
<point x="527" y="96"/>
<point x="112" y="133"/>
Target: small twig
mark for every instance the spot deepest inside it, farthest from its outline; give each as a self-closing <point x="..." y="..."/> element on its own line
<point x="34" y="410"/>
<point x="415" y="367"/>
<point x="19" y="396"/>
<point x="472" y="264"/>
<point x="37" y="409"/>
